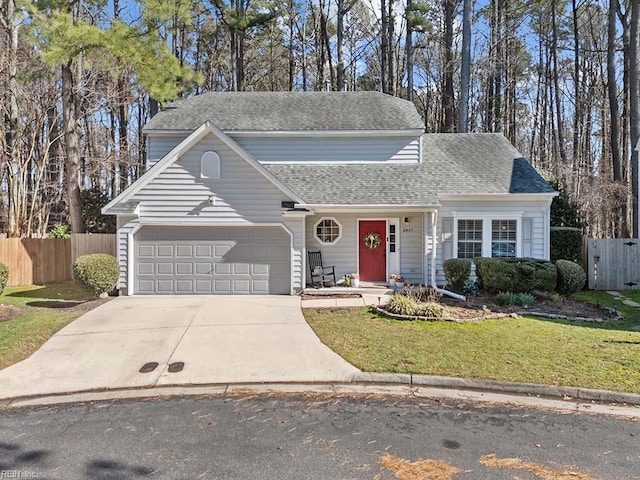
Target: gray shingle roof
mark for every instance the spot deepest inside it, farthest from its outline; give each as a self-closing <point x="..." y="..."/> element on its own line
<point x="452" y="164"/>
<point x="289" y="111"/>
<point x="476" y="163"/>
<point x="357" y="184"/>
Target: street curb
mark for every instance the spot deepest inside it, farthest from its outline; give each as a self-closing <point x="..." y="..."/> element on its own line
<point x="381" y="381"/>
<point x="565" y="393"/>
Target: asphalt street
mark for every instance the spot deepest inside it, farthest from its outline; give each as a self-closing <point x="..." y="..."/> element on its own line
<point x="313" y="437"/>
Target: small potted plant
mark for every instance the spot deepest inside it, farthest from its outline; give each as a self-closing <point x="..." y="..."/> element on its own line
<point x="392" y="280"/>
<point x="355" y="280"/>
<point x="399" y="281"/>
<point x="347" y="280"/>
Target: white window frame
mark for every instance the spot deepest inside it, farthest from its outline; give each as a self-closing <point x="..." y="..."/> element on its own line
<point x="507" y="241"/>
<point x="315" y="231"/>
<point x="486" y="229"/>
<point x="208" y="157"/>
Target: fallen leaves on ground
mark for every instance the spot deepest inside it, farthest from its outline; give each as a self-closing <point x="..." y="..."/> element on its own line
<point x="418" y="470"/>
<point x="540" y="471"/>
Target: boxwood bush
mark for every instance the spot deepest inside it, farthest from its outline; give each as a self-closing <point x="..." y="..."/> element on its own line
<point x="571" y="277"/>
<point x="566" y="244"/>
<point x="516" y="274"/>
<point x="4" y="277"/>
<point x="456" y="271"/>
<point x="98" y="272"/>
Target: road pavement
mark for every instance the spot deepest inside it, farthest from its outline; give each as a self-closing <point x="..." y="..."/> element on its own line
<point x="322" y="436"/>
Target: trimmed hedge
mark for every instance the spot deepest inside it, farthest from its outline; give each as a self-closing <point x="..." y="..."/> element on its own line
<point x="566" y="244"/>
<point x="516" y="274"/>
<point x="98" y="272"/>
<point x="571" y="277"/>
<point x="4" y="277"/>
<point x="456" y="271"/>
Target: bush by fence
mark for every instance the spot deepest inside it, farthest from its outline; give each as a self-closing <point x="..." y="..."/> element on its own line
<point x="566" y="244"/>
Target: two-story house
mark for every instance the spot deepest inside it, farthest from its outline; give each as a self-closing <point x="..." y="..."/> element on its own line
<point x="240" y="186"/>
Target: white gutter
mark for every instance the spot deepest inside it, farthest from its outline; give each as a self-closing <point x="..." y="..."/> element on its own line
<point x="442" y="291"/>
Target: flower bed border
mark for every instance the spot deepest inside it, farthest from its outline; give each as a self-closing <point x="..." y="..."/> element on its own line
<point x="495" y="316"/>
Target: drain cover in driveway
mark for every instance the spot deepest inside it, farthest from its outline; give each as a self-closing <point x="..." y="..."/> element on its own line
<point x="148" y="367"/>
<point x="176" y="367"/>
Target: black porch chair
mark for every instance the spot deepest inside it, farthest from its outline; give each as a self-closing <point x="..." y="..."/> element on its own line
<point x="321" y="276"/>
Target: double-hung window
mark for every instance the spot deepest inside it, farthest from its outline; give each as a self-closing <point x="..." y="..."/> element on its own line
<point x="469" y="239"/>
<point x="487" y="237"/>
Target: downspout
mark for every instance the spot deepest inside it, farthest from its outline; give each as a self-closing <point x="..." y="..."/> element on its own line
<point x="442" y="291"/>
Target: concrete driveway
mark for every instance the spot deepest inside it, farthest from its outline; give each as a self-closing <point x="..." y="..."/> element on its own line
<point x="220" y="339"/>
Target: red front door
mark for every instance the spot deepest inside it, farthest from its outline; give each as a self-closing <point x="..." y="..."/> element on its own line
<point x="372" y="250"/>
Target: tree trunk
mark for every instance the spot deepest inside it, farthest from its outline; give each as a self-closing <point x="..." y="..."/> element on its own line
<point x="391" y="49"/>
<point x="465" y="68"/>
<point x="72" y="148"/>
<point x="384" y="49"/>
<point x="612" y="90"/>
<point x="447" y="90"/>
<point x="634" y="112"/>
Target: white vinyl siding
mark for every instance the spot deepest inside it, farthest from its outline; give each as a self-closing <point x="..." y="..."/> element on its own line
<point x="296" y="149"/>
<point x="159" y="146"/>
<point x="343" y="254"/>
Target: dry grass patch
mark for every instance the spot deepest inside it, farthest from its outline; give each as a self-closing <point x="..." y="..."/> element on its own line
<point x="540" y="471"/>
<point x="418" y="470"/>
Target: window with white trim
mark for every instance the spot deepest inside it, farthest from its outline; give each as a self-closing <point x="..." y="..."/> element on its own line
<point x="327" y="231"/>
<point x="469" y="238"/>
<point x="503" y="238"/>
<point x="210" y="165"/>
<point x="486" y="235"/>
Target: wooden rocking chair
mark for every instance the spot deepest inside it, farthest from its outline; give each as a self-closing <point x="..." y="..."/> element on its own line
<point x="321" y="276"/>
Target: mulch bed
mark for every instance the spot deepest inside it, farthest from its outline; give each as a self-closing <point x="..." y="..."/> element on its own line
<point x="9" y="312"/>
<point x="544" y="304"/>
<point x="484" y="307"/>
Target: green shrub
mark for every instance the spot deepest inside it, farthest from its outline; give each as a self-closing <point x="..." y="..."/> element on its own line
<point x="98" y="272"/>
<point x="60" y="230"/>
<point x="4" y="277"/>
<point x="515" y="274"/>
<point x="403" y="305"/>
<point x="456" y="271"/>
<point x="566" y="244"/>
<point x="571" y="277"/>
<point x="508" y="298"/>
<point x="495" y="275"/>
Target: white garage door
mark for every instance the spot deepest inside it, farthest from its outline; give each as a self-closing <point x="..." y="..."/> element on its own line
<point x="212" y="260"/>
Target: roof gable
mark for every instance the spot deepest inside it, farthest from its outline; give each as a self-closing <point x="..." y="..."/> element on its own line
<point x="289" y="112"/>
<point x="124" y="198"/>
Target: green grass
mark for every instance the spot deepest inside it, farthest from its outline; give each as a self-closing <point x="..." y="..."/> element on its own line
<point x="24" y="334"/>
<point x="605" y="356"/>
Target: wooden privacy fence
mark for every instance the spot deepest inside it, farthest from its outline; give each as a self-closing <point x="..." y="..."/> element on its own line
<point x="48" y="260"/>
<point x="613" y="264"/>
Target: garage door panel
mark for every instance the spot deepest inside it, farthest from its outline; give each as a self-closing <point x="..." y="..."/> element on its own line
<point x="146" y="251"/>
<point x="184" y="268"/>
<point x="184" y="251"/>
<point x="164" y="286"/>
<point x="204" y="268"/>
<point x="165" y="268"/>
<point x="206" y="260"/>
<point x="203" y="286"/>
<point x="146" y="268"/>
<point x="222" y="286"/>
<point x="165" y="251"/>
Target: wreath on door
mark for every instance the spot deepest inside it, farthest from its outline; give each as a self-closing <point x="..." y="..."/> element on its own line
<point x="372" y="240"/>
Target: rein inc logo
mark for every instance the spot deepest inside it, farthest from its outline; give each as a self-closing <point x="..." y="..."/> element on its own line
<point x="17" y="474"/>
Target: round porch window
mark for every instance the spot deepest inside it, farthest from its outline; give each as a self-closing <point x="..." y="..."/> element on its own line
<point x="328" y="231"/>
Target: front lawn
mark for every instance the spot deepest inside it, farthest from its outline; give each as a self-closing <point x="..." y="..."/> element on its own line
<point x="605" y="356"/>
<point x="38" y="312"/>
